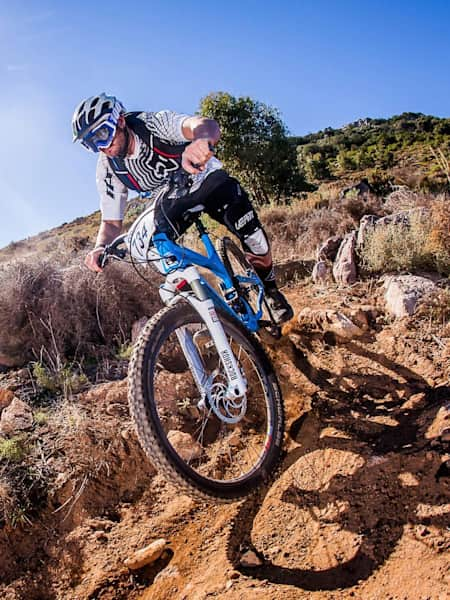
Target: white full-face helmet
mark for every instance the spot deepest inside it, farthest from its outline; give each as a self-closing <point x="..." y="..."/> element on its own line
<point x="94" y="122"/>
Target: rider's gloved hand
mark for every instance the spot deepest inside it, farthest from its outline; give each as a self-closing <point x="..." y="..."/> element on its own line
<point x="196" y="155"/>
<point x="92" y="258"/>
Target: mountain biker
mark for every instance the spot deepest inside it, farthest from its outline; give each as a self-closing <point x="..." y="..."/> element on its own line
<point x="140" y="151"/>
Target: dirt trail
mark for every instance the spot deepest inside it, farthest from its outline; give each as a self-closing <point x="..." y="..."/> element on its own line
<point x="359" y="509"/>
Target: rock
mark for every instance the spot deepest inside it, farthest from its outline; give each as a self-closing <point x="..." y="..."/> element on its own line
<point x="18" y="416"/>
<point x="146" y="555"/>
<point x="8" y="361"/>
<point x="415" y="401"/>
<point x="24" y="374"/>
<point x="360" y="317"/>
<point x="321" y="271"/>
<point x="185" y="445"/>
<point x="344" y="267"/>
<point x="367" y="223"/>
<point x="330" y="320"/>
<point x="370" y="222"/>
<point x="117" y="393"/>
<point x="170" y="572"/>
<point x="445" y="435"/>
<point x="116" y="410"/>
<point x="329" y="249"/>
<point x="403" y="293"/>
<point x="402" y="218"/>
<point x="6" y="397"/>
<point x="250" y="559"/>
<point x="137" y="327"/>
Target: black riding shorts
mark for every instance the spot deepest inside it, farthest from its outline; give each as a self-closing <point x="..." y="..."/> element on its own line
<point x="222" y="198"/>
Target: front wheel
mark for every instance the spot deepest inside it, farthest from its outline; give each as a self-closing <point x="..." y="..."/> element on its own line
<point x="208" y="446"/>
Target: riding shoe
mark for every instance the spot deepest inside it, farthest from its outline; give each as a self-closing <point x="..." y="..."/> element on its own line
<point x="279" y="307"/>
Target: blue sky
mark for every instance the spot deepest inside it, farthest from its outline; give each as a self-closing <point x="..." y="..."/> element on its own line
<point x="321" y="63"/>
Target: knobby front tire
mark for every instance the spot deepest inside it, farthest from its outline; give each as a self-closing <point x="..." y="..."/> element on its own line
<point x="202" y="454"/>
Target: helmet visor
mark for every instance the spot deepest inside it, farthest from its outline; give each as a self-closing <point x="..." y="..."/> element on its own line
<point x="100" y="137"/>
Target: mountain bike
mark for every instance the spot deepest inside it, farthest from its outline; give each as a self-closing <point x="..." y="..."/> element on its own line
<point x="203" y="394"/>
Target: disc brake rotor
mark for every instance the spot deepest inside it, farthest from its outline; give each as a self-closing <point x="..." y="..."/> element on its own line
<point x="228" y="410"/>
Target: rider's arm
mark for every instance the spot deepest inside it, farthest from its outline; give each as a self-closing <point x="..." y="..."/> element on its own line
<point x="195" y="128"/>
<point x="113" y="198"/>
<point x="203" y="132"/>
<point x="107" y="232"/>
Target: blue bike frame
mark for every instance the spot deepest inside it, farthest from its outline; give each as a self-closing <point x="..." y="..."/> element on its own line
<point x="175" y="257"/>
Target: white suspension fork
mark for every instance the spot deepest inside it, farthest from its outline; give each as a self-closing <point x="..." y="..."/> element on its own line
<point x="237" y="386"/>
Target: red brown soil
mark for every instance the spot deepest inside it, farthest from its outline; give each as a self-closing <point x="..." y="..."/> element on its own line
<point x="359" y="508"/>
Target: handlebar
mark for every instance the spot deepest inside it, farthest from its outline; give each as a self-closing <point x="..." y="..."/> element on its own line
<point x="113" y="249"/>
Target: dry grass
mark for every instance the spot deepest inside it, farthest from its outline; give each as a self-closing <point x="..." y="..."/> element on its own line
<point x="435" y="309"/>
<point x="69" y="312"/>
<point x="297" y="229"/>
<point x="421" y="244"/>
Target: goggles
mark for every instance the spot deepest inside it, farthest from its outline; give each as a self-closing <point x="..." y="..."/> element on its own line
<point x="101" y="136"/>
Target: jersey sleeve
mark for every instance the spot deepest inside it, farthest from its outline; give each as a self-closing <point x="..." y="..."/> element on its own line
<point x="113" y="194"/>
<point x="167" y="125"/>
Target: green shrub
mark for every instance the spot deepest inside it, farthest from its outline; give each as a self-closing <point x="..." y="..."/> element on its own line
<point x="12" y="449"/>
<point x="64" y="379"/>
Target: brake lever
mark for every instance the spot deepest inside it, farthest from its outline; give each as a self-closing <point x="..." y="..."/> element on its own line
<point x="109" y="251"/>
<point x="102" y="260"/>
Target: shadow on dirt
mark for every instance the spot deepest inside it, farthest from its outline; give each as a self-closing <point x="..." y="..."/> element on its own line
<point x="395" y="480"/>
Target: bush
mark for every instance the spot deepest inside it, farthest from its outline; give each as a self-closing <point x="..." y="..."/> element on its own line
<point x="424" y="243"/>
<point x="295" y="231"/>
<point x="70" y="312"/>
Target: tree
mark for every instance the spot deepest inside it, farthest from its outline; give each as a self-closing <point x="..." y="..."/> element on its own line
<point x="254" y="146"/>
<point x="314" y="164"/>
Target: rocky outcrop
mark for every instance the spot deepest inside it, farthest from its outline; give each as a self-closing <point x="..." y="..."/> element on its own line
<point x="340" y="256"/>
<point x="403" y="293"/>
<point x="370" y="222"/>
<point x="344" y="267"/>
<point x="366" y="224"/>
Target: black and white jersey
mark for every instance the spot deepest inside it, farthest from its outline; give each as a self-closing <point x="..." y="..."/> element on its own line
<point x="148" y="170"/>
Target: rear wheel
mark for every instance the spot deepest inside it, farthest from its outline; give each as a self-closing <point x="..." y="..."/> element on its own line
<point x="209" y="447"/>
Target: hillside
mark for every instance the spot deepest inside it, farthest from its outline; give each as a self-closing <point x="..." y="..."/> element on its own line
<point x="360" y="505"/>
<point x="408" y="149"/>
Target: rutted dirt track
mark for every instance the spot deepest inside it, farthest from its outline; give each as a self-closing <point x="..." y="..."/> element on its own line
<point x="359" y="509"/>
